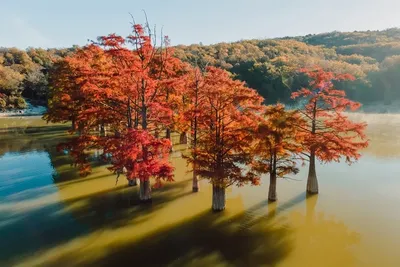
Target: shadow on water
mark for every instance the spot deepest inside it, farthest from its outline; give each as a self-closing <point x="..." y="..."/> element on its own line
<point x="35" y="218"/>
<point x="45" y="227"/>
<point x="251" y="238"/>
<point x="246" y="239"/>
<point x="207" y="239"/>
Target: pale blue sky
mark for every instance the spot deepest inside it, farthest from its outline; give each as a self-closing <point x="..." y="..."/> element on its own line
<point x="55" y="23"/>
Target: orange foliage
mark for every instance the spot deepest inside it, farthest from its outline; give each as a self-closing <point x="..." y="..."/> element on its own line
<point x="328" y="133"/>
<point x="278" y="142"/>
<point x="227" y="126"/>
<point x="129" y="91"/>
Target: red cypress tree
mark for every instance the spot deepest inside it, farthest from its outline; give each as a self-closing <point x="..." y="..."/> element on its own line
<point x="192" y="109"/>
<point x="328" y="133"/>
<point x="64" y="96"/>
<point x="123" y="82"/>
<point x="277" y="145"/>
<point x="227" y="126"/>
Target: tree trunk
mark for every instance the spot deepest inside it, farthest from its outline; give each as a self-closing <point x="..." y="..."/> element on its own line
<point x="195" y="187"/>
<point x="129" y="114"/>
<point x="312" y="182"/>
<point x="102" y="130"/>
<point x="183" y="140"/>
<point x="272" y="196"/>
<point x="132" y="182"/>
<point x="218" y="200"/>
<point x="144" y="117"/>
<point x="145" y="191"/>
<point x="168" y="136"/>
<point x="80" y="128"/>
<point x="73" y="126"/>
<point x="168" y="133"/>
<point x="136" y="123"/>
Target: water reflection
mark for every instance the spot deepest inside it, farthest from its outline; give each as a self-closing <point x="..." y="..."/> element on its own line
<point x="49" y="216"/>
<point x="30" y="181"/>
<point x="321" y="240"/>
<point x="201" y="241"/>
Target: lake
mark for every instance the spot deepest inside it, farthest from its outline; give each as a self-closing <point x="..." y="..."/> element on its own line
<point x="49" y="216"/>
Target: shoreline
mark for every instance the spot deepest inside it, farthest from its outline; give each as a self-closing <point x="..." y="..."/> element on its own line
<point x="16" y="116"/>
<point x="5" y="115"/>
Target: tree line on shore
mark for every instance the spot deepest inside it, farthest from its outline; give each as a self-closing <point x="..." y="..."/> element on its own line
<point x="269" y="66"/>
<point x="124" y="96"/>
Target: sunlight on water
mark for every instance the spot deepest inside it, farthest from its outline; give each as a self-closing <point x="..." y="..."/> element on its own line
<point x="49" y="216"/>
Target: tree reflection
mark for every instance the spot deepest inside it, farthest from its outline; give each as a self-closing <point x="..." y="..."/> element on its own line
<point x="319" y="240"/>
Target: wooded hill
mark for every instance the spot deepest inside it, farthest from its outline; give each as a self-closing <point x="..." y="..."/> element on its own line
<point x="270" y="66"/>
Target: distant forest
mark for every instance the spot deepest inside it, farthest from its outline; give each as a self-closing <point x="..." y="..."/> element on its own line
<point x="270" y="66"/>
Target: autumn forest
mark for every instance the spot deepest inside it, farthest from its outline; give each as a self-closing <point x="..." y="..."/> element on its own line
<point x="181" y="144"/>
<point x="126" y="96"/>
<point x="269" y="66"/>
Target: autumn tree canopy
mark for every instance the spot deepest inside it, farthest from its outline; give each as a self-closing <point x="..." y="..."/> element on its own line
<point x="125" y="95"/>
<point x="227" y="125"/>
<point x="278" y="145"/>
<point x="188" y="119"/>
<point x="329" y="134"/>
<point x="121" y="84"/>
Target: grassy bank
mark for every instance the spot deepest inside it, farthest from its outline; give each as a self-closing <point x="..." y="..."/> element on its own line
<point x="27" y="124"/>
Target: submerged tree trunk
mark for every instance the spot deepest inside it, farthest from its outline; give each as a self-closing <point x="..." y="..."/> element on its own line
<point x="272" y="177"/>
<point x="145" y="191"/>
<point x="183" y="140"/>
<point x="80" y="128"/>
<point x="136" y="122"/>
<point x="73" y="126"/>
<point x="218" y="200"/>
<point x="312" y="182"/>
<point x="129" y="114"/>
<point x="102" y="130"/>
<point x="272" y="196"/>
<point x="195" y="187"/>
<point x="168" y="136"/>
<point x="168" y="133"/>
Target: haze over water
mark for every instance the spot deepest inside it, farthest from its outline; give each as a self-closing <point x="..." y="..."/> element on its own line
<point x="49" y="216"/>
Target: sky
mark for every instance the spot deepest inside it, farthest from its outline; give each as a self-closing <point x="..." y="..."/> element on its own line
<point x="58" y="23"/>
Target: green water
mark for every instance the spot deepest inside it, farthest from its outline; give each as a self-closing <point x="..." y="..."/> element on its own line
<point x="49" y="216"/>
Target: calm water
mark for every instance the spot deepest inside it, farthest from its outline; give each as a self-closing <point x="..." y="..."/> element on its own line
<point x="49" y="216"/>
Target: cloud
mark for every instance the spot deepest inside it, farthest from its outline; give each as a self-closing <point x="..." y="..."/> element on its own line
<point x="19" y="33"/>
